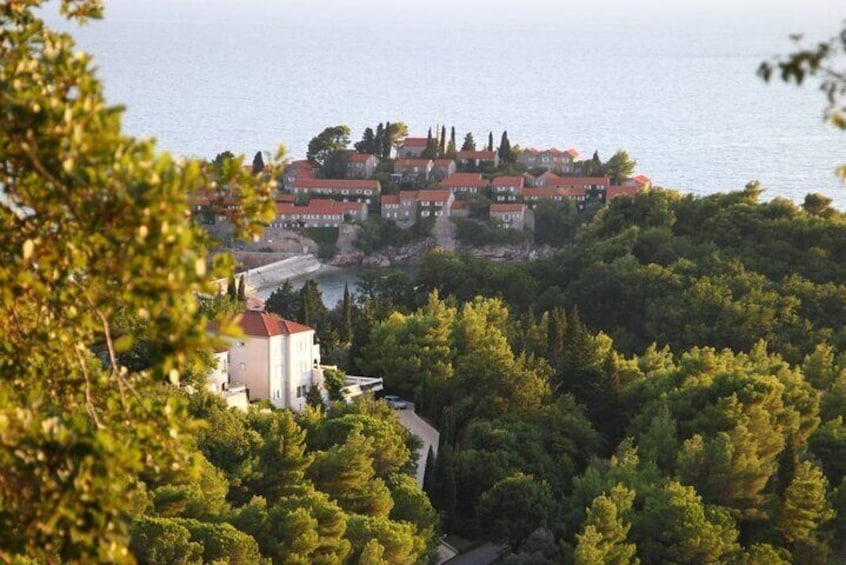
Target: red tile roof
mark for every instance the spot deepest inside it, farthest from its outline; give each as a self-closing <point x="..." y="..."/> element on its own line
<point x="408" y="195"/>
<point x="434" y="195"/>
<point x="335" y="183"/>
<point x="414" y="142"/>
<point x="359" y="157"/>
<point x="573" y="153"/>
<point x="508" y="181"/>
<point x="643" y="179"/>
<point x="552" y="191"/>
<point x="285" y="197"/>
<point x="390" y="199"/>
<point x="459" y="205"/>
<point x="617" y="191"/>
<point x="263" y="324"/>
<point x="507" y="207"/>
<point x="319" y="206"/>
<point x="465" y="180"/>
<point x="481" y="155"/>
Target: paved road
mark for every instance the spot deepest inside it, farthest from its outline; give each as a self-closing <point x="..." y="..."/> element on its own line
<point x="424" y="431"/>
<point x="429" y="435"/>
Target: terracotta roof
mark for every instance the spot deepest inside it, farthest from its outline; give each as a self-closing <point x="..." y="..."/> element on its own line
<point x="335" y="183"/>
<point x="415" y="142"/>
<point x="543" y="192"/>
<point x="390" y="199"/>
<point x="617" y="191"/>
<point x="285" y="197"/>
<point x="434" y="195"/>
<point x="359" y="157"/>
<point x="320" y="206"/>
<point x="482" y="155"/>
<point x="302" y="164"/>
<point x="263" y="324"/>
<point x="408" y="195"/>
<point x="643" y="179"/>
<point x="508" y="181"/>
<point x="573" y="153"/>
<point x="459" y="205"/>
<point x="465" y="179"/>
<point x="507" y="207"/>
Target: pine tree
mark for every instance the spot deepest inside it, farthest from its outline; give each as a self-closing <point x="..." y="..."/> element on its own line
<point x="442" y="143"/>
<point x="805" y="506"/>
<point x="603" y="538"/>
<point x="283" y="459"/>
<point x="367" y="145"/>
<point x="469" y="143"/>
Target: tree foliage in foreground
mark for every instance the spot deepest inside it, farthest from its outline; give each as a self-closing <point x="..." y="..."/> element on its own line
<point x="93" y="223"/>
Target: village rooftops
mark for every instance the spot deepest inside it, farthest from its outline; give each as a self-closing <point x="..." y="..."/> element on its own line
<point x="336" y="183"/>
<point x="465" y="180"/>
<point x="507" y="208"/>
<point x="443" y="162"/>
<point x="433" y="195"/>
<point x="552" y="192"/>
<point x="415" y="142"/>
<point x="263" y="324"/>
<point x="319" y="206"/>
<point x="508" y="181"/>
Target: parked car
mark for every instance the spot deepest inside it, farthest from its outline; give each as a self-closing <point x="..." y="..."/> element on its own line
<point x="395" y="401"/>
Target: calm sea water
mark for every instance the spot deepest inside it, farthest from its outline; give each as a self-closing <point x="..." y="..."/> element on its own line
<point x="680" y="95"/>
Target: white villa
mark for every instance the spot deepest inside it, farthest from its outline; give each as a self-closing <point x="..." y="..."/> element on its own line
<point x="277" y="359"/>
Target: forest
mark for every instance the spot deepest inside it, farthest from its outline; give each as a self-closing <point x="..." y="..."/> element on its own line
<point x="668" y="386"/>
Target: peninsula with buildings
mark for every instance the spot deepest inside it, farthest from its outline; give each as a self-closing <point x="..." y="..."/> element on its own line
<point x="392" y="197"/>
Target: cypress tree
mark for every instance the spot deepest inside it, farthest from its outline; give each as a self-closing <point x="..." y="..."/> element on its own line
<point x="451" y="150"/>
<point x="386" y="143"/>
<point x="429" y="484"/>
<point x="258" y="163"/>
<point x="242" y="289"/>
<point x="431" y="146"/>
<point x="490" y="141"/>
<point x="379" y="140"/>
<point x="346" y="323"/>
<point x="505" y="149"/>
<point x="305" y="311"/>
<point x="469" y="143"/>
<point x="232" y="288"/>
<point x="442" y="143"/>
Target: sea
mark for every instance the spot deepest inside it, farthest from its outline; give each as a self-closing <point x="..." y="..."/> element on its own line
<point x="674" y="84"/>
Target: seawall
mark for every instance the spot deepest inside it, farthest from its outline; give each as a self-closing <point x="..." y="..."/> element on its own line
<point x="274" y="274"/>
